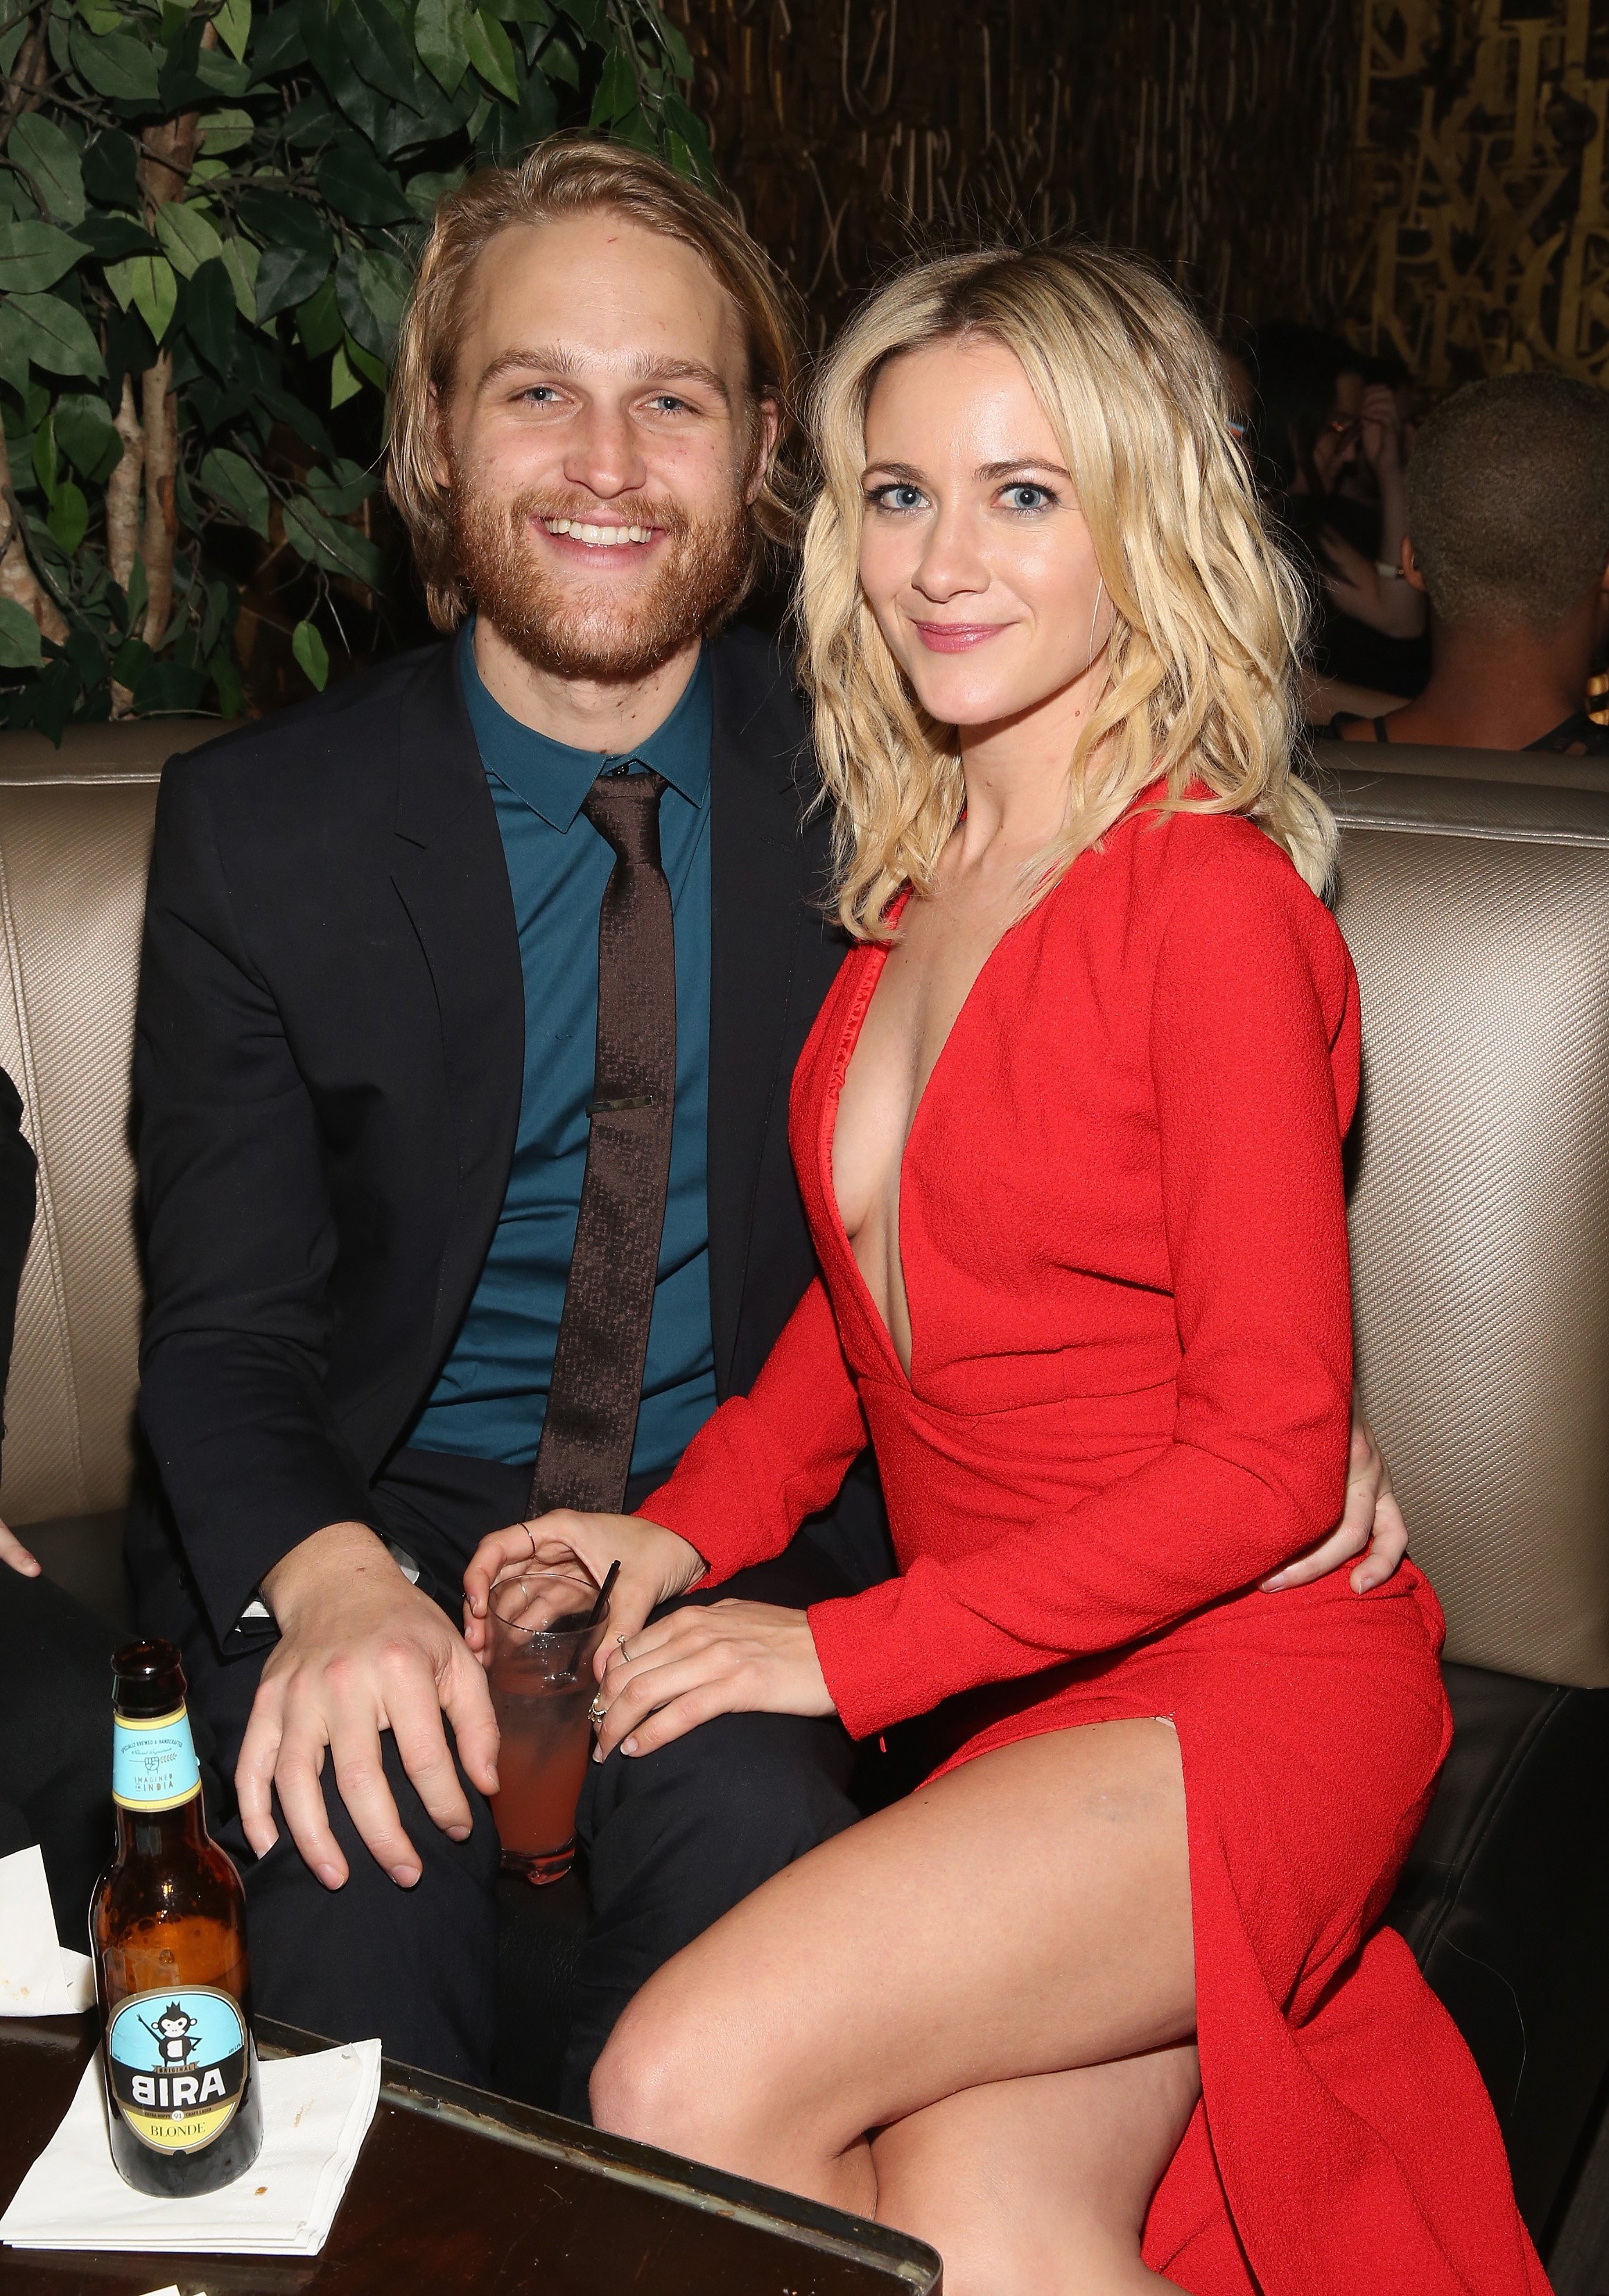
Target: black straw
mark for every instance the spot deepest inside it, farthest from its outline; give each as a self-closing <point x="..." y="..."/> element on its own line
<point x="597" y="1610"/>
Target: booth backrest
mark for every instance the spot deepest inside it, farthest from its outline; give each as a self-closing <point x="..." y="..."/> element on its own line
<point x="1534" y="768"/>
<point x="75" y="840"/>
<point x="1478" y="913"/>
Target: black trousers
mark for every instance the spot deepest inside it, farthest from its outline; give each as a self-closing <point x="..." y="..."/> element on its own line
<point x="55" y="1727"/>
<point x="672" y="1839"/>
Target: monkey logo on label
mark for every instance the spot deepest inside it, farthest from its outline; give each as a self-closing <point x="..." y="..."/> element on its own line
<point x="178" y="2065"/>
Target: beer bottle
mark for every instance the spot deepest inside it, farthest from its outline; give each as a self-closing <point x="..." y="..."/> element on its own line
<point x="167" y="1932"/>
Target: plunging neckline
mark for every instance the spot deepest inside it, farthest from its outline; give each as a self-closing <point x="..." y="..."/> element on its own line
<point x="849" y="1038"/>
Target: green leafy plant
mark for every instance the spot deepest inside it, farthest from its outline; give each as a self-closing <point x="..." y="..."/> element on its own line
<point x="209" y="217"/>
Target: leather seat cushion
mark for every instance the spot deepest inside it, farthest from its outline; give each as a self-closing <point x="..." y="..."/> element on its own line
<point x="1505" y="1901"/>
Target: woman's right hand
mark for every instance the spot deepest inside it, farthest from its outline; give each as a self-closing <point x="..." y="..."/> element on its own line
<point x="656" y="1565"/>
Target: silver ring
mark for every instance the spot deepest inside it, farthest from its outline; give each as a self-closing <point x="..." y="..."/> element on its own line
<point x="595" y="1712"/>
<point x="625" y="1653"/>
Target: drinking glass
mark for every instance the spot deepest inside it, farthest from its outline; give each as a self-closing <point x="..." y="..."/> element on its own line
<point x="543" y="1641"/>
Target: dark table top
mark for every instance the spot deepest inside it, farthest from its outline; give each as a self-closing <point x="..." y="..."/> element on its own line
<point x="457" y="2190"/>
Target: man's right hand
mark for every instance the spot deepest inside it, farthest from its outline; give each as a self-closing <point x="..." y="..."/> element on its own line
<point x="359" y="1650"/>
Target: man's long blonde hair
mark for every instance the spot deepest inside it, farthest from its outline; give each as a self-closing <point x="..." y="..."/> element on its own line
<point x="1208" y="616"/>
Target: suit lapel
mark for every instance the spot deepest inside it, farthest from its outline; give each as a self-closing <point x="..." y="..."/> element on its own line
<point x="452" y="877"/>
<point x="762" y="871"/>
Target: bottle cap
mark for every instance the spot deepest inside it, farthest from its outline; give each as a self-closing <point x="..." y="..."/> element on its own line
<point x="149" y="1679"/>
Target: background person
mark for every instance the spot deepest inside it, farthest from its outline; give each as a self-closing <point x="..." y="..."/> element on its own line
<point x="1069" y="1134"/>
<point x="1329" y="455"/>
<point x="1508" y="538"/>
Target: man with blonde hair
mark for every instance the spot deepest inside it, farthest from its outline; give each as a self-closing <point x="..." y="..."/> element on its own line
<point x="471" y="996"/>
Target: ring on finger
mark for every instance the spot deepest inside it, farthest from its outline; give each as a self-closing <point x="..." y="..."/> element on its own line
<point x="620" y="1641"/>
<point x="596" y="1711"/>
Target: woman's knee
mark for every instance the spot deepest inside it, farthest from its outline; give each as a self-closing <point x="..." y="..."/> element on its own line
<point x="664" y="2077"/>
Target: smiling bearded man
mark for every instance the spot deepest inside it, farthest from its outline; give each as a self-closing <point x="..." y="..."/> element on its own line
<point x="368" y="1028"/>
<point x="413" y="1276"/>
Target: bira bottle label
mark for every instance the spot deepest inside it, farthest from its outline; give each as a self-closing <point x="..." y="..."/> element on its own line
<point x="153" y="1763"/>
<point x="177" y="2065"/>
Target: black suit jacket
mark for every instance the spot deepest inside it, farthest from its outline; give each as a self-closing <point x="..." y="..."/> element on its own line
<point x="328" y="1064"/>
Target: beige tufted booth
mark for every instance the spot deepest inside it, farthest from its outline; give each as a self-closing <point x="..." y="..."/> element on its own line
<point x="1477" y="907"/>
<point x="1478" y="913"/>
<point x="75" y="836"/>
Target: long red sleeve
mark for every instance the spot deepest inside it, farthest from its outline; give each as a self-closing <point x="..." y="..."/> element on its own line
<point x="766" y="1460"/>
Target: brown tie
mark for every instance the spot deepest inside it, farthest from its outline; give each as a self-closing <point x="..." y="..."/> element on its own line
<point x="586" y="1453"/>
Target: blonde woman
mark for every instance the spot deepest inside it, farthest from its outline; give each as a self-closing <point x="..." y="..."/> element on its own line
<point x="1102" y="2007"/>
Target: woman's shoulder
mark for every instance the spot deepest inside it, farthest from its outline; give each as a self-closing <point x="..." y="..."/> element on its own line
<point x="1213" y="881"/>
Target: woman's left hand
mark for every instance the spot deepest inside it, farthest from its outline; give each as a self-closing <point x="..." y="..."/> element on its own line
<point x="720" y="1658"/>
<point x="1372" y="1520"/>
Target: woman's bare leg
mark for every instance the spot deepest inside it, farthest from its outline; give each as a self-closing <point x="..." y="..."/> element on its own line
<point x="1023" y="1916"/>
<point x="1042" y="2184"/>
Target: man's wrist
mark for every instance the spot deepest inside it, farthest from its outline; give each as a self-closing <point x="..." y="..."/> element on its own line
<point x="337" y="1552"/>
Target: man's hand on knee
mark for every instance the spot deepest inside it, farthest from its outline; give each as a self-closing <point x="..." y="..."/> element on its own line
<point x="359" y="1650"/>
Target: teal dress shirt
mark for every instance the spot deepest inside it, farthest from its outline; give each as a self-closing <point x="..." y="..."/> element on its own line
<point x="490" y="1398"/>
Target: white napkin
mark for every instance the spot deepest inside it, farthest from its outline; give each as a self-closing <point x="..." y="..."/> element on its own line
<point x="316" y="2112"/>
<point x="39" y="1977"/>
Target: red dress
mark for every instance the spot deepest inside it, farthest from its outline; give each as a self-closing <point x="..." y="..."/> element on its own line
<point x="1123" y="1238"/>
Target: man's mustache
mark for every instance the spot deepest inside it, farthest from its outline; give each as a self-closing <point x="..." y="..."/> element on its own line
<point x="587" y="509"/>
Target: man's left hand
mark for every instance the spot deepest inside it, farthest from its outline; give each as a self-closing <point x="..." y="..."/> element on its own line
<point x="1372" y="1520"/>
<point x="722" y="1658"/>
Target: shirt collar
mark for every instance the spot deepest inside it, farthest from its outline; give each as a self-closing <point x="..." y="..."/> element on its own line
<point x="553" y="779"/>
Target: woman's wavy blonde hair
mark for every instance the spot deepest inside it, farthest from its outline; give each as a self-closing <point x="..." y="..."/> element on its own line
<point x="1208" y="615"/>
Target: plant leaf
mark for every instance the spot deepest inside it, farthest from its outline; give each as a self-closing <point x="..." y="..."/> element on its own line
<point x="115" y="64"/>
<point x="45" y="457"/>
<point x="68" y="519"/>
<point x="110" y="169"/>
<point x="210" y="315"/>
<point x="33" y="256"/>
<point x="364" y="362"/>
<point x="312" y="652"/>
<point x="438" y="35"/>
<point x="298" y="249"/>
<point x="86" y="436"/>
<point x="229" y="479"/>
<point x="58" y="337"/>
<point x="111" y="237"/>
<point x="371" y="288"/>
<point x="221" y="73"/>
<point x="53" y="164"/>
<point x="242" y="259"/>
<point x="148" y="283"/>
<point x="324" y="541"/>
<point x="14" y="350"/>
<point x="490" y="53"/>
<point x="353" y="181"/>
<point x="424" y="191"/>
<point x="19" y="647"/>
<point x="188" y="239"/>
<point x="233" y="20"/>
<point x="318" y="322"/>
<point x="617" y="89"/>
<point x="343" y="383"/>
<point x="339" y="491"/>
<point x="227" y="131"/>
<point x="375" y="43"/>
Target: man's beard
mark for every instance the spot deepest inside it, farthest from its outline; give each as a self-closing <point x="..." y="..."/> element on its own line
<point x="564" y="625"/>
